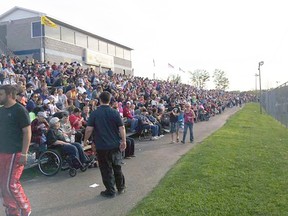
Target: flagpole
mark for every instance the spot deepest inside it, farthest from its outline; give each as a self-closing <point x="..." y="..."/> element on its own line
<point x="153" y="69"/>
<point x="41" y="42"/>
<point x="47" y="22"/>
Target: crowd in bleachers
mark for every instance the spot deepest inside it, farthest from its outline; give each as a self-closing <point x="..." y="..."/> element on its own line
<point x="48" y="89"/>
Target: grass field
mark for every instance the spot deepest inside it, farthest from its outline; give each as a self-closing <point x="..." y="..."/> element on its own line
<point x="242" y="169"/>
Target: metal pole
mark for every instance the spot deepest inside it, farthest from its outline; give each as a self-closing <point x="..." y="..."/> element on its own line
<point x="260" y="99"/>
<point x="256" y="75"/>
<point x="41" y="43"/>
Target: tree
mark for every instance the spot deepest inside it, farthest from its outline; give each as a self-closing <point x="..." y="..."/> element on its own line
<point x="199" y="78"/>
<point x="174" y="78"/>
<point x="220" y="80"/>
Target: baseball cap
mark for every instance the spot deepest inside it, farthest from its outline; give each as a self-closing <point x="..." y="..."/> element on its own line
<point x="42" y="114"/>
<point x="54" y="120"/>
<point x="46" y="101"/>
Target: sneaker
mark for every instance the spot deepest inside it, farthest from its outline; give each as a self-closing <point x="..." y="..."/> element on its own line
<point x="24" y="213"/>
<point x="90" y="159"/>
<point x="122" y="191"/>
<point x="132" y="155"/>
<point x="107" y="194"/>
<point x="154" y="138"/>
<point x="127" y="157"/>
<point x="182" y="142"/>
<point x="161" y="136"/>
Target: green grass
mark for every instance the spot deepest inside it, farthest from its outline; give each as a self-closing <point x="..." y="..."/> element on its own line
<point x="242" y="169"/>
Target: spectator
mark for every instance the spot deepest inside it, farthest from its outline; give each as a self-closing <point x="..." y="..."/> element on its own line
<point x="62" y="100"/>
<point x="189" y="116"/>
<point x="31" y="105"/>
<point x="81" y="89"/>
<point x="76" y="120"/>
<point x="72" y="95"/>
<point x="174" y="112"/>
<point x="56" y="139"/>
<point x="145" y="123"/>
<point x="39" y="128"/>
<point x="20" y="98"/>
<point x="29" y="90"/>
<point x="133" y="122"/>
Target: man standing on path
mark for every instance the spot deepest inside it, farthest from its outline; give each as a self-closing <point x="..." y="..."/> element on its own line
<point x="106" y="123"/>
<point x="15" y="134"/>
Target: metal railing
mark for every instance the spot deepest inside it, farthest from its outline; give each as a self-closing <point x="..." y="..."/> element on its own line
<point x="275" y="102"/>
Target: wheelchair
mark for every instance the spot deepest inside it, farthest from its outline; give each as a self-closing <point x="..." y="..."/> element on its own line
<point x="144" y="134"/>
<point x="51" y="161"/>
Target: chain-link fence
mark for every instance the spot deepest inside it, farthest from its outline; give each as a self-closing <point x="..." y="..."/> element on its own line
<point x="275" y="102"/>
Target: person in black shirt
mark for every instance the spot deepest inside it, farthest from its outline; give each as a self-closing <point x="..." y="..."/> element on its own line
<point x="174" y="112"/>
<point x="15" y="133"/>
<point x="106" y="123"/>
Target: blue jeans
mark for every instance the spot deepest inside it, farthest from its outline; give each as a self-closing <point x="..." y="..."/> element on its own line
<point x="75" y="150"/>
<point x="186" y="126"/>
<point x="154" y="129"/>
<point x="133" y="123"/>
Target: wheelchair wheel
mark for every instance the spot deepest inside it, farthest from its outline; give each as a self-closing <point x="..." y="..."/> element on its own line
<point x="83" y="168"/>
<point x="72" y="172"/>
<point x="49" y="163"/>
<point x="65" y="165"/>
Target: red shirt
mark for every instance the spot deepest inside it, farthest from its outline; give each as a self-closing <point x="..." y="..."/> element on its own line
<point x="75" y="121"/>
<point x="127" y="113"/>
<point x="189" y="117"/>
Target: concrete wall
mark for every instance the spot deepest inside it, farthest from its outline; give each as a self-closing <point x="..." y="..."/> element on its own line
<point x="58" y="51"/>
<point x="122" y="64"/>
<point x="19" y="36"/>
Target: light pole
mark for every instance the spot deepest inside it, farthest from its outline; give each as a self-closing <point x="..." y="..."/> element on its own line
<point x="256" y="75"/>
<point x="260" y="99"/>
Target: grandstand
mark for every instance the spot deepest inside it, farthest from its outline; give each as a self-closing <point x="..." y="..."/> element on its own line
<point x="23" y="33"/>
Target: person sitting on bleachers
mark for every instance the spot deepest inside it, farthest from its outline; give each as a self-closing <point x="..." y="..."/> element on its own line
<point x="31" y="104"/>
<point x="39" y="127"/>
<point x="145" y="123"/>
<point x="133" y="122"/>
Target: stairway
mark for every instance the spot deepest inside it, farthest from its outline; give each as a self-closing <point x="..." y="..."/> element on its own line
<point x="4" y="49"/>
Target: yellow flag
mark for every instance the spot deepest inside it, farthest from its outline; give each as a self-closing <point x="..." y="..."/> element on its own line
<point x="47" y="22"/>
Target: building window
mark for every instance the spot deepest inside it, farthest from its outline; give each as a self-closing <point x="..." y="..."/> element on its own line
<point x="111" y="50"/>
<point x="127" y="54"/>
<point x="103" y="47"/>
<point x="81" y="40"/>
<point x="36" y="29"/>
<point x="67" y="35"/>
<point x="53" y="33"/>
<point x="93" y="44"/>
<point x="119" y="52"/>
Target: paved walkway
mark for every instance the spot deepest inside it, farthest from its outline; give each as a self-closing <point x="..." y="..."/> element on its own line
<point x="62" y="195"/>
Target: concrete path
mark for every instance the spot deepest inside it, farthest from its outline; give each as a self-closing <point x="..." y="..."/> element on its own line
<point x="62" y="195"/>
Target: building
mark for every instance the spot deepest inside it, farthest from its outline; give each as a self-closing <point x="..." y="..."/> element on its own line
<point x="22" y="34"/>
